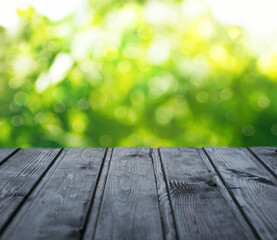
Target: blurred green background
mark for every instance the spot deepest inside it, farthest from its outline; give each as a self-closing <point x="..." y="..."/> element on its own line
<point x="134" y="73"/>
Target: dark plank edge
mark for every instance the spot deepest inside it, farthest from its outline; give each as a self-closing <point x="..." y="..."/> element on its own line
<point x="249" y="233"/>
<point x="8" y="156"/>
<point x="94" y="211"/>
<point x="29" y="193"/>
<point x="165" y="207"/>
<point x="262" y="162"/>
<point x="85" y="223"/>
<point x="231" y="199"/>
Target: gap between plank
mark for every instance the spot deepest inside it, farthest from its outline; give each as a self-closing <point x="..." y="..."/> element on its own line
<point x="232" y="195"/>
<point x="97" y="198"/>
<point x="82" y="229"/>
<point x="102" y="196"/>
<point x="30" y="192"/>
<point x="168" y="194"/>
<point x="11" y="154"/>
<point x="262" y="162"/>
<point x="159" y="204"/>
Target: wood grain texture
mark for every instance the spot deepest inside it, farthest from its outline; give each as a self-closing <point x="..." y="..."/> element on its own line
<point x="18" y="176"/>
<point x="59" y="209"/>
<point x="94" y="211"/>
<point x="268" y="157"/>
<point x="253" y="187"/>
<point x="242" y="221"/>
<point x="200" y="210"/>
<point x="138" y="193"/>
<point x="129" y="209"/>
<point x="168" y="221"/>
<point x="5" y="153"/>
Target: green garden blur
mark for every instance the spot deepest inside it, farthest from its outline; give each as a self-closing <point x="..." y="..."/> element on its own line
<point x="132" y="73"/>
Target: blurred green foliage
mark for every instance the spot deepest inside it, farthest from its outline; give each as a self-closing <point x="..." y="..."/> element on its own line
<point x="113" y="75"/>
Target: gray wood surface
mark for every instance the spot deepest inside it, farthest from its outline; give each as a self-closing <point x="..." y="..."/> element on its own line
<point x="252" y="186"/>
<point x="5" y="153"/>
<point x="94" y="211"/>
<point x="168" y="220"/>
<point x="129" y="207"/>
<point x="138" y="193"/>
<point x="59" y="209"/>
<point x="247" y="228"/>
<point x="200" y="210"/>
<point x="268" y="157"/>
<point x="18" y="176"/>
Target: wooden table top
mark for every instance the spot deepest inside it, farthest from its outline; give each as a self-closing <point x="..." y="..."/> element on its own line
<point x="138" y="193"/>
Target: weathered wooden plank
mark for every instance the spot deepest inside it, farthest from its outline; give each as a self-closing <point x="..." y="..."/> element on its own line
<point x="19" y="176"/>
<point x="200" y="210"/>
<point x="61" y="203"/>
<point x="5" y="153"/>
<point x="242" y="221"/>
<point x="129" y="208"/>
<point x="267" y="156"/>
<point x="94" y="211"/>
<point x="168" y="221"/>
<point x="253" y="187"/>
